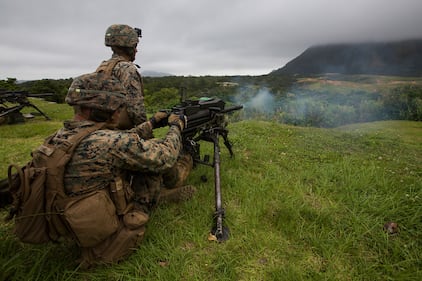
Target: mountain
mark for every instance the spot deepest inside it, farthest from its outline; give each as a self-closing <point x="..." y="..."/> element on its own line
<point x="401" y="58"/>
<point x="150" y="73"/>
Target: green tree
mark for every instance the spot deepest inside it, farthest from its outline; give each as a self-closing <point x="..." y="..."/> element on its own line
<point x="404" y="103"/>
<point x="9" y="84"/>
<point x="162" y="99"/>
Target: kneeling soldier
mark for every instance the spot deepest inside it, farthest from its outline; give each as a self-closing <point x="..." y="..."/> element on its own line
<point x="103" y="211"/>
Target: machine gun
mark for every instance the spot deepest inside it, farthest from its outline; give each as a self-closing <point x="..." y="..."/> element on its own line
<point x="207" y="121"/>
<point x="20" y="99"/>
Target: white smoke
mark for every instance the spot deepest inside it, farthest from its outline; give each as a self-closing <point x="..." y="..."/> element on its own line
<point x="263" y="101"/>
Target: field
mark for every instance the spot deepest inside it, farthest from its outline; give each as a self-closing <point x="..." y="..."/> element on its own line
<point x="301" y="204"/>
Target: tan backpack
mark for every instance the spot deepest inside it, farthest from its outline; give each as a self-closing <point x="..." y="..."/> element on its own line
<point x="107" y="67"/>
<point x="36" y="187"/>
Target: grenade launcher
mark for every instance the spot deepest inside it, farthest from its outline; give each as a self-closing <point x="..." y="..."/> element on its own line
<point x="207" y="121"/>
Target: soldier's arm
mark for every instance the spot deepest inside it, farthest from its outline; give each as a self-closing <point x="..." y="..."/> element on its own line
<point x="133" y="153"/>
<point x="144" y="131"/>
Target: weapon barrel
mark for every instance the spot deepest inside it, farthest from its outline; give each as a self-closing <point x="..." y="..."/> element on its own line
<point x="232" y="108"/>
<point x="40" y="95"/>
<point x="16" y="96"/>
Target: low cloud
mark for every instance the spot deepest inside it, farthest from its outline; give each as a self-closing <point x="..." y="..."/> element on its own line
<point x="186" y="37"/>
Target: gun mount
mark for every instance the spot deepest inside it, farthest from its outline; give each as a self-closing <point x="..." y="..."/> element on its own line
<point x="12" y="114"/>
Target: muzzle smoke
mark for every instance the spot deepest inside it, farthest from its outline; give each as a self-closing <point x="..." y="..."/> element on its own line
<point x="264" y="101"/>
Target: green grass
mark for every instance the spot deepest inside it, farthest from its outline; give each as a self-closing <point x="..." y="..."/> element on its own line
<point x="301" y="204"/>
<point x="17" y="141"/>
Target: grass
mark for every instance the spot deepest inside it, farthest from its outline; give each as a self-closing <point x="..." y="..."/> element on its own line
<point x="301" y="204"/>
<point x="17" y="141"/>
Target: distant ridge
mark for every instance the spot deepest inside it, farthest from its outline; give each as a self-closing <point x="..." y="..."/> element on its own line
<point x="401" y="58"/>
<point x="150" y="73"/>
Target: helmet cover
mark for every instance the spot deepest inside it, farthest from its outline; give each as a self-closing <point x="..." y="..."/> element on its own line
<point x="97" y="91"/>
<point x="122" y="35"/>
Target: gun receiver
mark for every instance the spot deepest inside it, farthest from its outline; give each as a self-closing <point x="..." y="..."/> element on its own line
<point x="207" y="121"/>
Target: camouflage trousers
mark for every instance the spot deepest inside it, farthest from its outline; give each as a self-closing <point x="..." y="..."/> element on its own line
<point x="147" y="186"/>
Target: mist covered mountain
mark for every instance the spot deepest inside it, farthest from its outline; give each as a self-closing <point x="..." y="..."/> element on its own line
<point x="402" y="58"/>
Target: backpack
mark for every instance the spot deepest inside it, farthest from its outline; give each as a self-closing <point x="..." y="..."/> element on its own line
<point x="38" y="185"/>
<point x="107" y="67"/>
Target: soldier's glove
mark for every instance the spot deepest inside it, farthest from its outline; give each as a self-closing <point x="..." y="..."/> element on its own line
<point x="177" y="120"/>
<point x="159" y="119"/>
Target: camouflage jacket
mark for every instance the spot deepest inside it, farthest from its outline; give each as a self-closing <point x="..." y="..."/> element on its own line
<point x="106" y="154"/>
<point x="131" y="80"/>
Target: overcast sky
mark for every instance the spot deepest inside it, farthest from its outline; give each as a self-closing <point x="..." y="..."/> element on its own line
<point x="65" y="38"/>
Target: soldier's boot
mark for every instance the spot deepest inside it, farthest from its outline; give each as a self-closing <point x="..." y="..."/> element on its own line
<point x="176" y="195"/>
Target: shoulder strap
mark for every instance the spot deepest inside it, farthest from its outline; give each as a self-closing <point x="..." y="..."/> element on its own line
<point x="55" y="158"/>
<point x="58" y="150"/>
<point x="108" y="66"/>
<point x="70" y="145"/>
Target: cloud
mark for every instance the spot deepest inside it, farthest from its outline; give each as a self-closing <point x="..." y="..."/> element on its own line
<point x="60" y="39"/>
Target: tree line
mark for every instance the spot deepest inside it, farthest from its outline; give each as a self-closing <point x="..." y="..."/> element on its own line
<point x="285" y="102"/>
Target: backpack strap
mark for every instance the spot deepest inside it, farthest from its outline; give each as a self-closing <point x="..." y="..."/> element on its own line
<point x="108" y="66"/>
<point x="55" y="160"/>
<point x="16" y="190"/>
<point x="70" y="145"/>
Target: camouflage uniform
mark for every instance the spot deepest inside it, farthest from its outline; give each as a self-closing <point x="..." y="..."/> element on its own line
<point x="100" y="166"/>
<point x="120" y="35"/>
<point x="99" y="162"/>
<point x="105" y="154"/>
<point x="131" y="80"/>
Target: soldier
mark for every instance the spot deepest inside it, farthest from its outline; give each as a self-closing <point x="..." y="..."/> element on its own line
<point x="106" y="214"/>
<point x="123" y="40"/>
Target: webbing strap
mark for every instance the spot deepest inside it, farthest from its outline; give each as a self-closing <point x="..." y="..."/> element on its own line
<point x="108" y="66"/>
<point x="69" y="145"/>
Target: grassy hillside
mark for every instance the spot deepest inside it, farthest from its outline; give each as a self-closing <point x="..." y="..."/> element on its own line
<point x="301" y="204"/>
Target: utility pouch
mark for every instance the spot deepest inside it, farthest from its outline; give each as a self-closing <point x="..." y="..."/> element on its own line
<point x="116" y="247"/>
<point x="118" y="195"/>
<point x="91" y="217"/>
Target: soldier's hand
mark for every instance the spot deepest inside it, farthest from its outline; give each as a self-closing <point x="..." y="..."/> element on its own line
<point x="177" y="120"/>
<point x="159" y="119"/>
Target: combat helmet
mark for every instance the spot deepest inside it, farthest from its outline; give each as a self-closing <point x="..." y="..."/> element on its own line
<point x="97" y="91"/>
<point x="122" y="35"/>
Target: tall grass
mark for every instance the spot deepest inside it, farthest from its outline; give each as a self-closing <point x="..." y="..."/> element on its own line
<point x="301" y="204"/>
